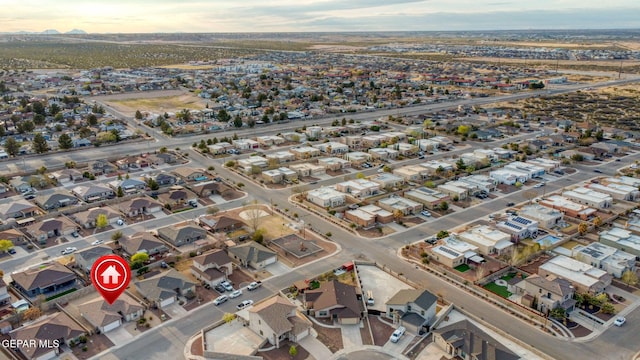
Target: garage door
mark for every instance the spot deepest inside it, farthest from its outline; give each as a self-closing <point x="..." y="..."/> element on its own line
<point x="167" y="302"/>
<point x="271" y="260"/>
<point x="109" y="327"/>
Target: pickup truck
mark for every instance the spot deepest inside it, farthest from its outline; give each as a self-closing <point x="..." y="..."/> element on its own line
<point x="254" y="285"/>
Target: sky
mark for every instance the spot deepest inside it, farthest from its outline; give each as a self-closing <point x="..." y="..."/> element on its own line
<point x="149" y="16"/>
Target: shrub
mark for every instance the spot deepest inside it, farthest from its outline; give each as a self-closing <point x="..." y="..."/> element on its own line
<point x="192" y="254"/>
<point x="85" y="348"/>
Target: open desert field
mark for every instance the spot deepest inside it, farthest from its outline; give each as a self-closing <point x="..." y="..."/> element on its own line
<point x="155" y="101"/>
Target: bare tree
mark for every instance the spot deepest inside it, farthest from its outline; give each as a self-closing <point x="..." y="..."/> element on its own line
<point x="253" y="212"/>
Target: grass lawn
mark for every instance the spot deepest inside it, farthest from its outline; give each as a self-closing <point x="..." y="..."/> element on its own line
<point x="462" y="268"/>
<point x="509" y="276"/>
<point x="500" y="290"/>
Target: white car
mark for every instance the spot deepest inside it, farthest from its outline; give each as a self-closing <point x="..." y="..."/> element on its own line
<point x="620" y="321"/>
<point x="227" y="285"/>
<point x="221" y="299"/>
<point x="244" y="304"/>
<point x="539" y="185"/>
<point x="425" y="213"/>
<point x="69" y="250"/>
<point x="235" y="294"/>
<point x="395" y="337"/>
<point x="97" y="242"/>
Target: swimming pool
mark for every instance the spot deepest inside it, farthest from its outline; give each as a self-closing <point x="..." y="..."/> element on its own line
<point x="548" y="240"/>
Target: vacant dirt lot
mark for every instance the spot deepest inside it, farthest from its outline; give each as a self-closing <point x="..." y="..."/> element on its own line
<point x="155" y="101"/>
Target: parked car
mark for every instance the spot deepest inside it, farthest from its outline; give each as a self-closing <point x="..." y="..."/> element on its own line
<point x="219" y="288"/>
<point x="425" y="213"/>
<point x="12" y="251"/>
<point x="244" y="304"/>
<point x="254" y="285"/>
<point x="538" y="185"/>
<point x="511" y="204"/>
<point x="620" y="321"/>
<point x="221" y="299"/>
<point x="431" y="240"/>
<point x="97" y="242"/>
<point x="69" y="250"/>
<point x="227" y="285"/>
<point x="597" y="171"/>
<point x="395" y="337"/>
<point x="339" y="271"/>
<point x="235" y="294"/>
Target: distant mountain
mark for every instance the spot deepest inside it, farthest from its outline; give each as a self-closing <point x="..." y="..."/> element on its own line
<point x="51" y="32"/>
<point x="76" y="32"/>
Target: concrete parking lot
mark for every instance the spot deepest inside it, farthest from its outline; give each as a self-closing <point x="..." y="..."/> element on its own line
<point x="382" y="285"/>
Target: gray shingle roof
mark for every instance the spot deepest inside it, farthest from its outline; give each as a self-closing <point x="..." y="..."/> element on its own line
<point x="251" y="252"/>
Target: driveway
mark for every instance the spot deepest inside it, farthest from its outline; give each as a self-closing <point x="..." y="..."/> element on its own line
<point x="315" y="347"/>
<point x="351" y="336"/>
<point x="217" y="199"/>
<point x="119" y="335"/>
<point x="398" y="348"/>
<point x="277" y="269"/>
<point x="175" y="310"/>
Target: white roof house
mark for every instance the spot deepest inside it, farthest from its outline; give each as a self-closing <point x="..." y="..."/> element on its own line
<point x="584" y="277"/>
<point x="332" y="147"/>
<point x="426" y="196"/>
<point x="307" y="169"/>
<point x="393" y="203"/>
<point x="547" y="164"/>
<point x="519" y="227"/>
<point x="245" y="144"/>
<point x="586" y="196"/>
<point x="326" y="197"/>
<point x="359" y="188"/>
<point x="247" y="164"/>
<point x="358" y="157"/>
<point x="608" y="258"/>
<point x="487" y="239"/>
<point x="427" y="144"/>
<point x="617" y="191"/>
<point x="334" y="163"/>
<point x="304" y="152"/>
<point x="622" y="239"/>
<point x="383" y="153"/>
<point x="624" y="180"/>
<point x="387" y="179"/>
<point x="507" y="176"/>
<point x="547" y="217"/>
<point x="412" y="172"/>
<point x="281" y="156"/>
<point x="567" y="206"/>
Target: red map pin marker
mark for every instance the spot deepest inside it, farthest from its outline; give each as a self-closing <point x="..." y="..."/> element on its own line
<point x="110" y="275"/>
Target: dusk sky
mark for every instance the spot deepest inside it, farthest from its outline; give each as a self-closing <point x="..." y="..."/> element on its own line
<point x="146" y="16"/>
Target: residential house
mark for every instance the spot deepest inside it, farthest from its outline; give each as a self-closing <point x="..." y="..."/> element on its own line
<point x="138" y="207"/>
<point x="428" y="197"/>
<point x="614" y="261"/>
<point x="128" y="186"/>
<point x="42" y="230"/>
<point x="105" y="317"/>
<point x="359" y="188"/>
<point x="85" y="258"/>
<point x="279" y="175"/>
<point x="447" y="256"/>
<point x="47" y="279"/>
<point x="252" y="254"/>
<point x="519" y="227"/>
<point x="332" y="148"/>
<point x="93" y="193"/>
<point x="368" y="216"/>
<point x="591" y="198"/>
<point x="387" y="180"/>
<point x="585" y="278"/>
<point x="212" y="267"/>
<point x="549" y="293"/>
<point x="326" y="197"/>
<point x="67" y="175"/>
<point x="166" y="179"/>
<point x="546" y="217"/>
<point x="414" y="173"/>
<point x="357" y="157"/>
<point x="16" y="209"/>
<point x="414" y="309"/>
<point x="568" y="207"/>
<point x="464" y="340"/>
<point x="142" y="242"/>
<point x="307" y="169"/>
<point x="617" y="191"/>
<point x="182" y="234"/>
<point x="55" y="200"/>
<point x="87" y="219"/>
<point x="396" y="203"/>
<point x="101" y="167"/>
<point x="334" y="163"/>
<point x="334" y="300"/>
<point x="24" y="184"/>
<point x="13" y="235"/>
<point x="281" y="156"/>
<point x="177" y="197"/>
<point x="163" y="289"/>
<point x="5" y="298"/>
<point x="220" y="223"/>
<point x="277" y="320"/>
<point x="47" y="334"/>
<point x="489" y="241"/>
<point x="190" y="174"/>
<point x="208" y="188"/>
<point x="304" y="152"/>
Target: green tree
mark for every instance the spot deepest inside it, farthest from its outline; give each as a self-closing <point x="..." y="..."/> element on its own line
<point x="139" y="257"/>
<point x="444" y="206"/>
<point x="65" y="142"/>
<point x="5" y="245"/>
<point x="40" y="144"/>
<point x="102" y="221"/>
<point x="464" y="130"/>
<point x="92" y="120"/>
<point x="442" y="234"/>
<point x="607" y="308"/>
<point x="138" y="115"/>
<point x="38" y="108"/>
<point x="11" y="146"/>
<point x="237" y="121"/>
<point x="120" y="192"/>
<point x="153" y="185"/>
<point x="116" y="235"/>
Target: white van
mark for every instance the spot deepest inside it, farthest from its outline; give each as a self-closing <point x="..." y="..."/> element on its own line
<point x="370" y="300"/>
<point x="221" y="299"/>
